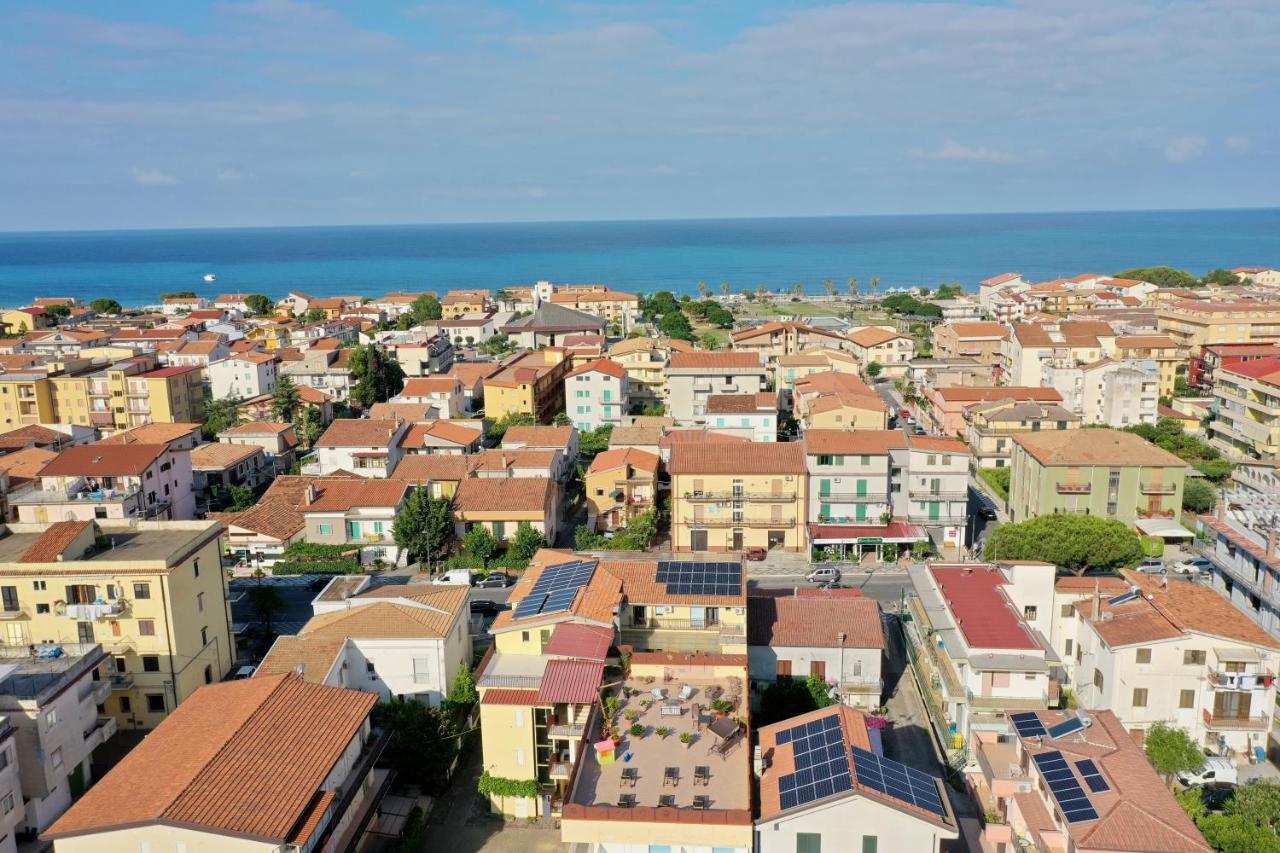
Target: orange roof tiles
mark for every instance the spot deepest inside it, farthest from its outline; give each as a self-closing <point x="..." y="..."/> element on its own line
<point x="983" y="393"/>
<point x="812" y="622"/>
<point x="25" y="465"/>
<point x="51" y="544"/>
<point x="423" y="386"/>
<point x="618" y="457"/>
<point x="871" y="336"/>
<point x="716" y="361"/>
<point x="853" y="442"/>
<point x="1094" y="447"/>
<point x="752" y="458"/>
<point x="600" y="365"/>
<point x="434" y="467"/>
<point x="222" y="456"/>
<point x="503" y="495"/>
<point x="342" y="495"/>
<point x="980" y="330"/>
<point x="350" y="432"/>
<point x="108" y="460"/>
<point x="539" y="436"/>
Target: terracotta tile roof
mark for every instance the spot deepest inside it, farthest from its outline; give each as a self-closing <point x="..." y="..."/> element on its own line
<point x="1104" y="585"/>
<point x="342" y="495"/>
<point x="505" y="460"/>
<point x="775" y="458"/>
<point x="25" y="465"/>
<point x="388" y="620"/>
<point x="1153" y="341"/>
<point x="862" y="442"/>
<point x="258" y="428"/>
<point x="109" y="460"/>
<point x="275" y="519"/>
<point x="434" y="467"/>
<point x="979" y="330"/>
<point x="829" y="402"/>
<point x="571" y="681"/>
<point x="1002" y="278"/>
<point x="167" y="372"/>
<point x="472" y="372"/>
<point x="812" y="622"/>
<point x="939" y="445"/>
<point x="32" y="435"/>
<point x="444" y="430"/>
<point x="421" y="386"/>
<point x="749" y="361"/>
<point x="571" y="640"/>
<point x="635" y="435"/>
<point x="222" y="456"/>
<point x="830" y="382"/>
<point x="282" y="732"/>
<point x="1094" y="447"/>
<point x="353" y="432"/>
<point x="980" y="608"/>
<point x="620" y="457"/>
<point x="411" y="412"/>
<point x="526" y="495"/>
<point x="871" y="336"/>
<point x="158" y="433"/>
<point x="509" y="696"/>
<point x="600" y="365"/>
<point x="1191" y="607"/>
<point x="597" y="602"/>
<point x="782" y="326"/>
<point x="312" y="658"/>
<point x="539" y="436"/>
<point x="983" y="393"/>
<point x="55" y="539"/>
<point x="690" y="437"/>
<point x="742" y="404"/>
<point x="640" y="586"/>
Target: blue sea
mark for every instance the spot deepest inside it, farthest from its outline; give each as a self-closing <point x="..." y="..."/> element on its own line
<point x="135" y="267"/>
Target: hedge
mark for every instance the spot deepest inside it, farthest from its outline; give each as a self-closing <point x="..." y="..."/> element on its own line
<point x="464" y="561"/>
<point x="499" y="787"/>
<point x="509" y="561"/>
<point x="316" y="567"/>
<point x="318" y="551"/>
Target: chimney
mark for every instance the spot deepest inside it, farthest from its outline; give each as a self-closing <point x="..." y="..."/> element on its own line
<point x="1271" y="544"/>
<point x="1222" y="509"/>
<point x="309" y="496"/>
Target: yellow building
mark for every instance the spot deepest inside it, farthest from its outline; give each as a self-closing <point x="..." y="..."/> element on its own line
<point x="120" y="398"/>
<point x="22" y="320"/>
<point x="25" y="398"/>
<point x="727" y="497"/>
<point x="152" y="593"/>
<point x="530" y="383"/>
<point x="273" y="333"/>
<point x="645" y="360"/>
<point x="1161" y="349"/>
<point x="1193" y="323"/>
<point x="621" y="484"/>
<point x="459" y="303"/>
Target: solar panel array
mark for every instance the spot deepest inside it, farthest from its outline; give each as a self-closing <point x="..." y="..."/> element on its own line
<point x="1028" y="724"/>
<point x="822" y="765"/>
<point x="1066" y="727"/>
<point x="1074" y="802"/>
<point x="555" y="588"/>
<point x="897" y="780"/>
<point x="1092" y="776"/>
<point x="697" y="578"/>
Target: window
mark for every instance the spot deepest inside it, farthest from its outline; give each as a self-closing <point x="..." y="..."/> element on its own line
<point x="125" y="706"/>
<point x="1067" y="651"/>
<point x="421" y="670"/>
<point x="1144" y="655"/>
<point x="4" y="758"/>
<point x="120" y="666"/>
<point x="818" y="669"/>
<point x="141" y="590"/>
<point x="524" y="636"/>
<point x="784" y="669"/>
<point x="204" y="635"/>
<point x="147" y="627"/>
<point x="1068" y="610"/>
<point x="325" y="529"/>
<point x="56" y="758"/>
<point x="1029" y="612"/>
<point x="150" y="663"/>
<point x="208" y="674"/>
<point x="1097" y="678"/>
<point x="39" y="585"/>
<point x="870" y="843"/>
<point x="1187" y="699"/>
<point x="1139" y="697"/>
<point x="7" y="803"/>
<point x="155" y="703"/>
<point x="808" y="842"/>
<point x="196" y="565"/>
<point x="199" y="602"/>
<point x="1193" y="657"/>
<point x="51" y="718"/>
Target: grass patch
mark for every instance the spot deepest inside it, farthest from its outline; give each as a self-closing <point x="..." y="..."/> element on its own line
<point x="997" y="479"/>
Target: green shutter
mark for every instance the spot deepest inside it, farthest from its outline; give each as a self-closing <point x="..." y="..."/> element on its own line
<point x="862" y="488"/>
<point x="824" y="488"/>
<point x="860" y="512"/>
<point x="808" y="842"/>
<point x="824" y="510"/>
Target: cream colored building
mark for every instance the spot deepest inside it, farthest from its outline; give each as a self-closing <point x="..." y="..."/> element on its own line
<point x="1197" y="323"/>
<point x="693" y="377"/>
<point x="1246" y="419"/>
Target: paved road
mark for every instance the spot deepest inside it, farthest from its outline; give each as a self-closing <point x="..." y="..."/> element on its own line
<point x="885" y="587"/>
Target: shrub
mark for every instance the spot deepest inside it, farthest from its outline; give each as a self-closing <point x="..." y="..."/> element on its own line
<point x="317" y="567"/>
<point x="464" y="561"/>
<point x="301" y="550"/>
<point x="636" y="730"/>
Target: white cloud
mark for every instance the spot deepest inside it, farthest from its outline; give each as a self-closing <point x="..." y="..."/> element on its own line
<point x="953" y="151"/>
<point x="1238" y="144"/>
<point x="153" y="177"/>
<point x="1184" y="148"/>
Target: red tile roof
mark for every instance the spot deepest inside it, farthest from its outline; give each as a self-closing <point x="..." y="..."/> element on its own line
<point x="980" y="394"/>
<point x="509" y="696"/>
<point x="571" y="681"/>
<point x="813" y="622"/>
<point x="980" y="608"/>
<point x="600" y="365"/>
<point x="108" y="460"/>
<point x="620" y="456"/>
<point x="589" y="642"/>
<point x="342" y="495"/>
<point x="716" y="361"/>
<point x="1264" y="369"/>
<point x="752" y="458"/>
<point x="50" y="544"/>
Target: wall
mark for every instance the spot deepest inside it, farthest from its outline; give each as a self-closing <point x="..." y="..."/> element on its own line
<point x="844" y="825"/>
<point x="161" y="839"/>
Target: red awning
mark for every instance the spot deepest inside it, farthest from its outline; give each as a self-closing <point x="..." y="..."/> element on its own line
<point x="849" y="534"/>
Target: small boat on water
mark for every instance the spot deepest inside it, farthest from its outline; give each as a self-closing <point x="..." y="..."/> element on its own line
<point x="210" y="277"/>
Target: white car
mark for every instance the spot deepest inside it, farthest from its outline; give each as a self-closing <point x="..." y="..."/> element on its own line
<point x="1197" y="566"/>
<point x="1216" y="770"/>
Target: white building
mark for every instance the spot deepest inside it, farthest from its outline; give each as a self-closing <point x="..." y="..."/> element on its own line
<point x="368" y="447"/>
<point x="693" y="377"/>
<point x="323" y="370"/>
<point x="750" y="416"/>
<point x="1108" y="392"/>
<point x="443" y="392"/>
<point x="595" y="395"/>
<point x="243" y="376"/>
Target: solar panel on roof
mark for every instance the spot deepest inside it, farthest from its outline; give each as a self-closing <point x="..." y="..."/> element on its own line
<point x="1066" y="727"/>
<point x="1028" y="724"/>
<point x="1092" y="776"/>
<point x="1071" y="798"/>
<point x="530" y="605"/>
<point x="1123" y="597"/>
<point x="897" y="780"/>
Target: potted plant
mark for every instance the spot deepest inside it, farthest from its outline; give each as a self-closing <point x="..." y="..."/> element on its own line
<point x="637" y="731"/>
<point x="631" y="714"/>
<point x="686" y="738"/>
<point x="662" y="732"/>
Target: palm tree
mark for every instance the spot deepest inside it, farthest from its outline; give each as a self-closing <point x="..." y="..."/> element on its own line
<point x="853" y="288"/>
<point x="875" y="284"/>
<point x="831" y="288"/>
<point x="702" y="289"/>
<point x="799" y="289"/>
<point x="724" y="289"/>
<point x="760" y="291"/>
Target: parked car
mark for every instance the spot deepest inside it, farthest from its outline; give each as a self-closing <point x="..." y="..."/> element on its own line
<point x="756" y="553"/>
<point x="495" y="580"/>
<point x="823" y="574"/>
<point x="1217" y="770"/>
<point x="243" y="672"/>
<point x="905" y="414"/>
<point x="1196" y="566"/>
<point x="458" y="577"/>
<point x="1152" y="565"/>
<point x="485" y="608"/>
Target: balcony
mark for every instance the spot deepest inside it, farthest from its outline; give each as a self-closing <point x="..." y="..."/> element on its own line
<point x="98" y="691"/>
<point x="1238" y="680"/>
<point x="1223" y="722"/>
<point x="567" y="731"/>
<point x="938" y="495"/>
<point x="1074" y="488"/>
<point x="96" y="610"/>
<point x="916" y="517"/>
<point x="854" y="497"/>
<point x="708" y="497"/>
<point x="99" y="731"/>
<point x="519" y="682"/>
<point x="19" y="612"/>
<point x="789" y="521"/>
<point x="1158" y="488"/>
<point x="121" y="681"/>
<point x="561" y="770"/>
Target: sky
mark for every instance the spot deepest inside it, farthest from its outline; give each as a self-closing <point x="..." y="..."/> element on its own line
<point x="284" y="112"/>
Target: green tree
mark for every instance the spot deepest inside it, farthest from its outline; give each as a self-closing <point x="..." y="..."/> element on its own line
<point x="240" y="498"/>
<point x="560" y="419"/>
<point x="661" y="303"/>
<point x="58" y="310"/>
<point x="285" y="399"/>
<point x="462" y="692"/>
<point x="424" y="309"/>
<point x="819" y="690"/>
<point x="219" y="415"/>
<point x="259" y="305"/>
<point x="708" y="341"/>
<point x="179" y="294"/>
<point x="1072" y="542"/>
<point x="676" y="325"/>
<point x="106" y="306"/>
<point x="424" y="526"/>
<point x="499" y="428"/>
<point x="873" y="369"/>
<point x="1257" y="802"/>
<point x="308" y="425"/>
<point x="312" y="315"/>
<point x="480" y="543"/>
<point x="1223" y="277"/>
<point x="1160" y="276"/>
<point x="378" y="376"/>
<point x="1172" y="751"/>
<point x="527" y="542"/>
<point x="266" y="601"/>
<point x="783" y="699"/>
<point x="596" y="441"/>
<point x="948" y="291"/>
<point x="423" y="742"/>
<point x="498" y="344"/>
<point x="1197" y="495"/>
<point x="997" y="478"/>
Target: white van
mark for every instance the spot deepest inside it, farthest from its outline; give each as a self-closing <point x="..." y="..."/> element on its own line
<point x="1216" y="770"/>
<point x="456" y="577"/>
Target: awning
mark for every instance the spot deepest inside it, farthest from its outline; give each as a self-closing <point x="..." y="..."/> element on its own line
<point x="1238" y="655"/>
<point x="866" y="534"/>
<point x="1165" y="528"/>
<point x="575" y="681"/>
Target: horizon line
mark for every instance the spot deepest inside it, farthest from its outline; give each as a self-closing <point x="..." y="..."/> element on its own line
<point x="637" y="220"/>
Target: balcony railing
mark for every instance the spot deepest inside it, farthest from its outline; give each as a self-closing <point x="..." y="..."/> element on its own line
<point x="571" y="731"/>
<point x="930" y="494"/>
<point x="746" y="522"/>
<point x="739" y="496"/>
<point x="917" y="517"/>
<point x="1221" y="722"/>
<point x="1158" y="488"/>
<point x="854" y="497"/>
<point x="1237" y="680"/>
<point x="19" y="612"/>
<point x="520" y="682"/>
<point x="1074" y="488"/>
<point x="660" y="623"/>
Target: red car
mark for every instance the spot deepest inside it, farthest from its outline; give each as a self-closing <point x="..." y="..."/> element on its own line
<point x="757" y="553"/>
<point x="904" y="414"/>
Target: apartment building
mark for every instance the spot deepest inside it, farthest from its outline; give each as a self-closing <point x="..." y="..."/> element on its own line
<point x="153" y="594"/>
<point x="355" y="512"/>
<point x="1203" y="366"/>
<point x="178" y="792"/>
<point x="50" y="696"/>
<point x="993" y="424"/>
<point x="889" y="349"/>
<point x="1031" y="345"/>
<point x="727" y="497"/>
<point x="1246" y="414"/>
<point x="502" y="504"/>
<point x="441" y="437"/>
<point x="978" y="654"/>
<point x="948" y="407"/>
<point x="395" y="640"/>
<point x="457" y="303"/>
<point x="1161" y="349"/>
<point x="931" y="476"/>
<point x="217" y="468"/>
<point x="418" y="357"/>
<point x="850" y="475"/>
<point x="244" y="375"/>
<point x="853" y="801"/>
<point x="621" y="483"/>
<point x="529" y="383"/>
<point x="645" y="361"/>
<point x="1181" y="654"/>
<point x="597" y="394"/>
<point x="751" y="416"/>
<point x="1107" y="392"/>
<point x="835" y="635"/>
<point x="1075" y="781"/>
<point x="614" y="307"/>
<point x="1196" y="323"/>
<point x="279" y="441"/>
<point x="982" y="342"/>
<point x="771" y="341"/>
<point x="1246" y="559"/>
<point x="165" y="395"/>
<point x="562" y="441"/>
<point x="1106" y="473"/>
<point x="99" y="481"/>
<point x="444" y="393"/>
<point x="693" y="377"/>
<point x="836" y="400"/>
<point x="367" y="447"/>
<point x="323" y="370"/>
